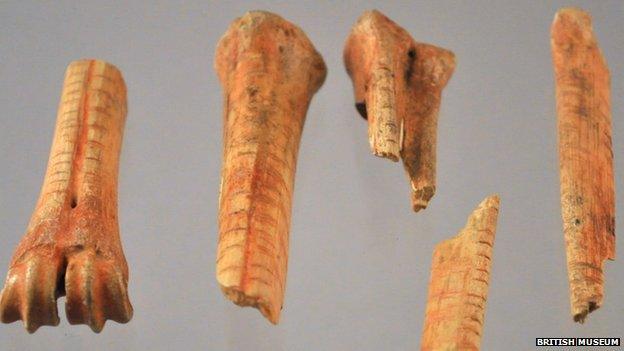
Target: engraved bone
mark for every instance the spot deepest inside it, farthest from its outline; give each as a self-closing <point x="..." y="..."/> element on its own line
<point x="398" y="86"/>
<point x="269" y="71"/>
<point x="72" y="245"/>
<point x="585" y="157"/>
<point x="460" y="274"/>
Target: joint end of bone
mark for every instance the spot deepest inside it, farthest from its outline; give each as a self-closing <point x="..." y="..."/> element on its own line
<point x="261" y="36"/>
<point x="30" y="294"/>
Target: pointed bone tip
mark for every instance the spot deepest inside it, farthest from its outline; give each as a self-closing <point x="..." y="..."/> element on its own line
<point x="492" y="201"/>
<point x="373" y="14"/>
<point x="241" y="299"/>
<point x="489" y="203"/>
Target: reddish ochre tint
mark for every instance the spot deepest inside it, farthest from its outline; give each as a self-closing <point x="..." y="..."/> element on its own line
<point x="398" y="88"/>
<point x="585" y="157"/>
<point x="460" y="276"/>
<point x="72" y="245"/>
<point x="269" y="71"/>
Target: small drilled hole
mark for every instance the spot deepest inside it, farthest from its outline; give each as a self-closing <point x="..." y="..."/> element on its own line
<point x="411" y="53"/>
<point x="74" y="202"/>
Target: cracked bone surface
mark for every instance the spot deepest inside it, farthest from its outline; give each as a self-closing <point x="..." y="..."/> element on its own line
<point x="398" y="86"/>
<point x="269" y="71"/>
<point x="72" y="245"/>
<point x="585" y="157"/>
<point x="460" y="274"/>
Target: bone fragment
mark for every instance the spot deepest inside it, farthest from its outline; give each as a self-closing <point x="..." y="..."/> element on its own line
<point x="398" y="86"/>
<point x="460" y="275"/>
<point x="585" y="157"/>
<point x="269" y="72"/>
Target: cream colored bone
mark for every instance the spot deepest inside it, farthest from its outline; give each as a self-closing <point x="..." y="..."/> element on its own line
<point x="269" y="71"/>
<point x="72" y="245"/>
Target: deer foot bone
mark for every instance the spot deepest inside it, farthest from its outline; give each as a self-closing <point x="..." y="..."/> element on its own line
<point x="72" y="246"/>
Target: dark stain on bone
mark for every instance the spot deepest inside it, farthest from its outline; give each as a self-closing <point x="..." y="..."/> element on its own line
<point x="361" y="108"/>
<point x="409" y="72"/>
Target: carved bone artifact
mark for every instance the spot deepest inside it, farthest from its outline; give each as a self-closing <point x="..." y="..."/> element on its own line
<point x="460" y="275"/>
<point x="398" y="86"/>
<point x="585" y="157"/>
<point x="269" y="71"/>
<point x="72" y="245"/>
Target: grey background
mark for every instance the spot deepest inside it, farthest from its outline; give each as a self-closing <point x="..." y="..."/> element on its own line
<point x="359" y="258"/>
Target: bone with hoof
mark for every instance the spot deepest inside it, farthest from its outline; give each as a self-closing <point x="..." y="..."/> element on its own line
<point x="269" y="71"/>
<point x="72" y="245"/>
<point x="398" y="86"/>
<point x="585" y="157"/>
<point x="460" y="275"/>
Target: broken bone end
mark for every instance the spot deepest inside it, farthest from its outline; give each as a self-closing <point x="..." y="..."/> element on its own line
<point x="582" y="310"/>
<point x="587" y="296"/>
<point x="242" y="299"/>
<point x="421" y="196"/>
<point x="583" y="105"/>
<point x="458" y="288"/>
<point x="384" y="153"/>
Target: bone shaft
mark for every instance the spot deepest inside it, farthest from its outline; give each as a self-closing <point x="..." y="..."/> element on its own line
<point x="459" y="283"/>
<point x="419" y="150"/>
<point x="384" y="128"/>
<point x="84" y="159"/>
<point x="585" y="157"/>
<point x="258" y="175"/>
<point x="269" y="71"/>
